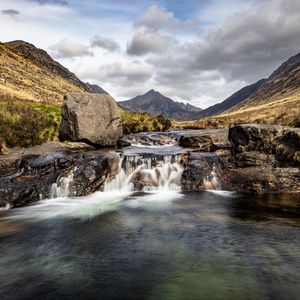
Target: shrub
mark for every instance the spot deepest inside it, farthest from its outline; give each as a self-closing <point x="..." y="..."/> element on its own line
<point x="24" y="123"/>
<point x="134" y="122"/>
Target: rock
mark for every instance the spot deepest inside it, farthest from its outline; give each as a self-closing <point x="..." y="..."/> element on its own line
<point x="252" y="159"/>
<point x="261" y="180"/>
<point x="149" y="139"/>
<point x="282" y="142"/>
<point x="203" y="143"/>
<point x="123" y="143"/>
<point x="34" y="175"/>
<point x="203" y="171"/>
<point x="205" y="140"/>
<point x="90" y="118"/>
<point x="90" y="175"/>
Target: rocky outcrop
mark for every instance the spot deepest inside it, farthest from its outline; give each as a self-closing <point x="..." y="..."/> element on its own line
<point x="31" y="173"/>
<point x="264" y="158"/>
<point x="204" y="171"/>
<point x="261" y="159"/>
<point x="147" y="139"/>
<point x="91" y="118"/>
<point x="205" y="140"/>
<point x="282" y="142"/>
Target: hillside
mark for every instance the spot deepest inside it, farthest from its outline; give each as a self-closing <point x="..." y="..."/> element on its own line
<point x="29" y="73"/>
<point x="233" y="100"/>
<point x="155" y="104"/>
<point x="275" y="100"/>
<point x="284" y="82"/>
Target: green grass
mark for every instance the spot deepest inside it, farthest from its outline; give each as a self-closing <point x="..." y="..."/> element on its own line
<point x="26" y="123"/>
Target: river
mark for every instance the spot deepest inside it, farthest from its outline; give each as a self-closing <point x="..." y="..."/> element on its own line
<point x="157" y="244"/>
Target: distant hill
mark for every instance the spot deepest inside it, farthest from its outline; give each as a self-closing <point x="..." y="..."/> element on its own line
<point x="27" y="72"/>
<point x="233" y="100"/>
<point x="284" y="82"/>
<point x="155" y="103"/>
<point x="275" y="100"/>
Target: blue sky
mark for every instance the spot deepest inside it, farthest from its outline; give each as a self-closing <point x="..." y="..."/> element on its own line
<point x="197" y="51"/>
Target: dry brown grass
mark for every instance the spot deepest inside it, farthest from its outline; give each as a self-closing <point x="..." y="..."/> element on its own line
<point x="23" y="79"/>
<point x="281" y="112"/>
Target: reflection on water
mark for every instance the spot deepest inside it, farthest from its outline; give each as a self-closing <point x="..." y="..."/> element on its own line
<point x="166" y="245"/>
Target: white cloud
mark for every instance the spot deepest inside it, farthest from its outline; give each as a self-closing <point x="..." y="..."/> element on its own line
<point x="105" y="43"/>
<point x="68" y="49"/>
<point x="147" y="40"/>
<point x="156" y="17"/>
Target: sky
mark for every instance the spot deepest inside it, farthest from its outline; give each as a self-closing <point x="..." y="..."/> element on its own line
<point x="196" y="51"/>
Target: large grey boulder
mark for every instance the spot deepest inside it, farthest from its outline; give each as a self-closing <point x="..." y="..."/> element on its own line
<point x="91" y="118"/>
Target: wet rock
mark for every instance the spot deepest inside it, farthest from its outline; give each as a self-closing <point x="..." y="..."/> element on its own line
<point x="252" y="159"/>
<point x="92" y="118"/>
<point x="149" y="139"/>
<point x="44" y="164"/>
<point x="205" y="140"/>
<point x="122" y="143"/>
<point x="203" y="143"/>
<point x="261" y="180"/>
<point x="90" y="175"/>
<point x="283" y="142"/>
<point x="202" y="168"/>
<point x="34" y="175"/>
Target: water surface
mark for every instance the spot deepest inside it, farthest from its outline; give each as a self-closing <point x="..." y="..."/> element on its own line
<point x="160" y="245"/>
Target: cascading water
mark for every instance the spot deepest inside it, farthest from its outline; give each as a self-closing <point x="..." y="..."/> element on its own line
<point x="212" y="182"/>
<point x="61" y="188"/>
<point x="154" y="173"/>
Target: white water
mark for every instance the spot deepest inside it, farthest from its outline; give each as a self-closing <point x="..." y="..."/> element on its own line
<point x="154" y="174"/>
<point x="212" y="182"/>
<point x="62" y="188"/>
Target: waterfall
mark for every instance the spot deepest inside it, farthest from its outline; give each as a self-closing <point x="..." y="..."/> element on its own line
<point x="153" y="173"/>
<point x="211" y="182"/>
<point x="62" y="188"/>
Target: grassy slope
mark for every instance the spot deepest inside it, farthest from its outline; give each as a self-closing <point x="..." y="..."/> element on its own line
<point x="21" y="78"/>
<point x="284" y="111"/>
<point x="27" y="123"/>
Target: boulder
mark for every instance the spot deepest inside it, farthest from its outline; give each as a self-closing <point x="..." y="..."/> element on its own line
<point x="282" y="142"/>
<point x="203" y="143"/>
<point x="91" y="118"/>
<point x="33" y="175"/>
<point x="204" y="171"/>
<point x="205" y="140"/>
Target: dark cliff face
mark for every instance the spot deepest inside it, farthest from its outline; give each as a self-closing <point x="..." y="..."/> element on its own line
<point x="44" y="60"/>
<point x="157" y="104"/>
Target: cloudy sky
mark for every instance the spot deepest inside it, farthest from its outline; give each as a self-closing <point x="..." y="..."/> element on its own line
<point x="197" y="51"/>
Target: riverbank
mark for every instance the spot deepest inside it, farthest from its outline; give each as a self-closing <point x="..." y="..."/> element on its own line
<point x="245" y="158"/>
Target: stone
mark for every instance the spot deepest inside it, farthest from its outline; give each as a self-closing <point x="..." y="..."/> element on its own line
<point x="33" y="175"/>
<point x="252" y="159"/>
<point x="282" y="142"/>
<point x="123" y="143"/>
<point x="200" y="168"/>
<point x="90" y="118"/>
<point x="203" y="143"/>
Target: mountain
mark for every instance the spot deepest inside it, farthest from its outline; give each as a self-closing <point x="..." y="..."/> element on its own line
<point x="27" y="72"/>
<point x="284" y="82"/>
<point x="155" y="103"/>
<point x="275" y="100"/>
<point x="233" y="100"/>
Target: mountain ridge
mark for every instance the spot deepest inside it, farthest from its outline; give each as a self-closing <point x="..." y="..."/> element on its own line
<point x="155" y="103"/>
<point x="29" y="73"/>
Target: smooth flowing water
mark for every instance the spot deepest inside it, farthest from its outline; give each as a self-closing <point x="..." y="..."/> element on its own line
<point x="157" y="244"/>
